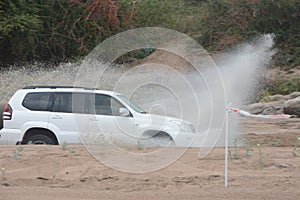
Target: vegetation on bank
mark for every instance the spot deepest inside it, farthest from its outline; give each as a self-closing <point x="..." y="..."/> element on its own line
<point x="60" y="30"/>
<point x="282" y="86"/>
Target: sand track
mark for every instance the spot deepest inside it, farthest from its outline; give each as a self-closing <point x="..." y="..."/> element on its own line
<point x="51" y="172"/>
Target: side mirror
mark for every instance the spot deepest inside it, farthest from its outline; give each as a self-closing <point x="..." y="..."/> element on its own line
<point x="124" y="112"/>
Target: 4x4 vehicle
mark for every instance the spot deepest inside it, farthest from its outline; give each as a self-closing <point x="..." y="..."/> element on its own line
<point x="58" y="114"/>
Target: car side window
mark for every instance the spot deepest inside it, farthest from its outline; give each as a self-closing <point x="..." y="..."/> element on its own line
<point x="99" y="104"/>
<point x="69" y="102"/>
<point x="38" y="101"/>
<point x="63" y="103"/>
<point x="81" y="102"/>
<point x="107" y="105"/>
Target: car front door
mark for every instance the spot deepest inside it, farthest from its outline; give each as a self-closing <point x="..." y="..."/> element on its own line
<point x="107" y="122"/>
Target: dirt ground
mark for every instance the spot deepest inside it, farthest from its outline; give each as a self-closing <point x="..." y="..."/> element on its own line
<point x="270" y="171"/>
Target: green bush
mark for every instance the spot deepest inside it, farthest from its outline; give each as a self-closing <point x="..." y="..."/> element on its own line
<point x="284" y="86"/>
<point x="226" y="23"/>
<point x="58" y="30"/>
<point x="19" y="26"/>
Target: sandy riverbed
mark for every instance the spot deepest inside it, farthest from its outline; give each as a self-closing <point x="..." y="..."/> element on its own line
<point x="70" y="172"/>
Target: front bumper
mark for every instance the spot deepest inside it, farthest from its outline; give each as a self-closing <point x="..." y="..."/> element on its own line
<point x="186" y="139"/>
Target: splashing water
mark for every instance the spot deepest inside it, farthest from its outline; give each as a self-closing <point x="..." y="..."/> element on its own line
<point x="15" y="78"/>
<point x="239" y="68"/>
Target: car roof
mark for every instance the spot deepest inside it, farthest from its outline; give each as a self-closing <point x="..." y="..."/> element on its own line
<point x="68" y="89"/>
<point x="54" y="87"/>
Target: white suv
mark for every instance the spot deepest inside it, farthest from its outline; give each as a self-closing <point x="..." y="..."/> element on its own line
<point x="58" y="114"/>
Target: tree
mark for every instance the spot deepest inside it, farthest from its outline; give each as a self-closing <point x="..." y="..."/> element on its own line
<point x="19" y="26"/>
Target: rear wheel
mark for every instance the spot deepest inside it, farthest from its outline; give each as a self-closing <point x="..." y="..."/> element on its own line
<point x="39" y="139"/>
<point x="39" y="136"/>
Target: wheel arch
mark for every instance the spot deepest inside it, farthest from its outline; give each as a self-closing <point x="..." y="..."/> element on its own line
<point x="155" y="133"/>
<point x="32" y="131"/>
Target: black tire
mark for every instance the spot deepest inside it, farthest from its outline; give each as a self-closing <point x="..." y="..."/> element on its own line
<point x="39" y="139"/>
<point x="1" y="116"/>
<point x="158" y="140"/>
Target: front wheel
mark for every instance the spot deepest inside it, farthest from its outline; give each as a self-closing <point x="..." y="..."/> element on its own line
<point x="158" y="140"/>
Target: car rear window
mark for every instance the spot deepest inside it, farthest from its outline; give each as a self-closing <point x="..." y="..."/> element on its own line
<point x="38" y="101"/>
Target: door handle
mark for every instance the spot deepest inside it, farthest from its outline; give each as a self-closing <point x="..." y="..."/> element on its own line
<point x="57" y="117"/>
<point x="94" y="119"/>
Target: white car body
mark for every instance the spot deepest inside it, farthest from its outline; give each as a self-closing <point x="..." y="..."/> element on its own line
<point x="20" y="123"/>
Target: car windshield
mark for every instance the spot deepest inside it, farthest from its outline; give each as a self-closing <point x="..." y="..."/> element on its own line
<point x="132" y="105"/>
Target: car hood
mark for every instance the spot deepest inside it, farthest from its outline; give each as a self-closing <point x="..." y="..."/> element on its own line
<point x="159" y="119"/>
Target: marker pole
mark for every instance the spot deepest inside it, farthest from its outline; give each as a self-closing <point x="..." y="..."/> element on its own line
<point x="226" y="146"/>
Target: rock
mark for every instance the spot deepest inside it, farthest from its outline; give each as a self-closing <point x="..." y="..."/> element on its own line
<point x="294" y="95"/>
<point x="292" y="106"/>
<point x="281" y="165"/>
<point x="277" y="104"/>
<point x="277" y="97"/>
<point x="272" y="110"/>
<point x="255" y="108"/>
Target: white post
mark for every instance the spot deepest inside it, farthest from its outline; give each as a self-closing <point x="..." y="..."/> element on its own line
<point x="226" y="146"/>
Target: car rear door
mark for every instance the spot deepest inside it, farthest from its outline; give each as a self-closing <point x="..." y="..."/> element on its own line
<point x="68" y="116"/>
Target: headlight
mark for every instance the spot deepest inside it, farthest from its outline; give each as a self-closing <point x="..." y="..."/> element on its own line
<point x="184" y="126"/>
